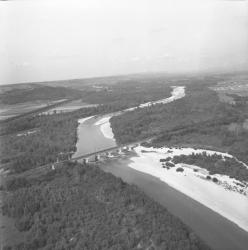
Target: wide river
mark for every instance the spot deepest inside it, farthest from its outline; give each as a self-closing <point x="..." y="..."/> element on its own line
<point x="218" y="232"/>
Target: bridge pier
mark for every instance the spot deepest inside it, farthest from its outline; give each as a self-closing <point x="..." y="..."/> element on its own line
<point x="111" y="152"/>
<point x="85" y="160"/>
<point x="97" y="158"/>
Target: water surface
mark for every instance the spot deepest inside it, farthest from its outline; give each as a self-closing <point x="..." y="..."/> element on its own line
<point x="218" y="232"/>
<point x="91" y="138"/>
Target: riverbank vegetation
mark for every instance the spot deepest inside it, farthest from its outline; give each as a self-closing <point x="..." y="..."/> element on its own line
<point x="130" y="93"/>
<point x="54" y="138"/>
<point x="198" y="119"/>
<point x="34" y="92"/>
<point x="215" y="164"/>
<point x="94" y="210"/>
<point x="127" y="93"/>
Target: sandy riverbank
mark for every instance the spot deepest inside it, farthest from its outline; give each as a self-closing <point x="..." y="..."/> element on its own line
<point x="83" y="120"/>
<point x="176" y="93"/>
<point x="217" y="231"/>
<point x="105" y="127"/>
<point x="232" y="205"/>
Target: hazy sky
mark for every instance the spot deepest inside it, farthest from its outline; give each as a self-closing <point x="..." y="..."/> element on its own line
<point x="57" y="39"/>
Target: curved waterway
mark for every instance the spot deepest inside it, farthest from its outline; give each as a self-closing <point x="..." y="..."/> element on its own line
<point x="218" y="232"/>
<point x="95" y="134"/>
<point x="91" y="137"/>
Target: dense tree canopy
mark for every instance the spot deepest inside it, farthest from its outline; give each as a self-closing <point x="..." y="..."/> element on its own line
<point x="197" y="119"/>
<point x="215" y="164"/>
<point x="94" y="210"/>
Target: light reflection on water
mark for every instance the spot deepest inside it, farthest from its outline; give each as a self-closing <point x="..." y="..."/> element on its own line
<point x="91" y="139"/>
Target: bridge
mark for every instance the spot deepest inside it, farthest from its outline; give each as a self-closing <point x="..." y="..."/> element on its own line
<point x="93" y="157"/>
<point x="105" y="153"/>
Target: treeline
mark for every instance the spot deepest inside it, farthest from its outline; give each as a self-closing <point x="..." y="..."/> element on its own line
<point x="94" y="210"/>
<point x="36" y="120"/>
<point x="37" y="92"/>
<point x="198" y="118"/>
<point x="131" y="93"/>
<point x="215" y="164"/>
<point x="56" y="135"/>
<point x="54" y="138"/>
<point x="118" y="98"/>
<point x="198" y="106"/>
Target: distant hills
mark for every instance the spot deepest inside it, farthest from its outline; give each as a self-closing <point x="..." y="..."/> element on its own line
<point x="34" y="92"/>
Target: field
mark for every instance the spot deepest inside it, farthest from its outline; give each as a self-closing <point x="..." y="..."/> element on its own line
<point x="70" y="106"/>
<point x="8" y="111"/>
<point x="234" y="85"/>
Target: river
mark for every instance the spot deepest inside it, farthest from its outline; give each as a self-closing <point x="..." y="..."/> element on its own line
<point x="90" y="136"/>
<point x="218" y="232"/>
<point x="95" y="134"/>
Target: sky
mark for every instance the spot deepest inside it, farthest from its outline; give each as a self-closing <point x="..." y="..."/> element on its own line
<point x="43" y="40"/>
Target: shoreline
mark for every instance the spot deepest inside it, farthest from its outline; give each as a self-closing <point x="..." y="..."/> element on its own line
<point x="105" y="127"/>
<point x="217" y="231"/>
<point x="83" y="120"/>
<point x="209" y="194"/>
<point x="176" y="93"/>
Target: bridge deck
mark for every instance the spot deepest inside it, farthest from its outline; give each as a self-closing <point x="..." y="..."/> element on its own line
<point x="49" y="165"/>
<point x="96" y="153"/>
<point x="105" y="150"/>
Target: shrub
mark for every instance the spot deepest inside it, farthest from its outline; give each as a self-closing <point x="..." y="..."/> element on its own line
<point x="215" y="179"/>
<point x="180" y="170"/>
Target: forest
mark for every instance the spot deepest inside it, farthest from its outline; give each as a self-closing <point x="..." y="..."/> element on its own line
<point x="131" y="93"/>
<point x="94" y="210"/>
<point x="37" y="92"/>
<point x="198" y="119"/>
<point x="55" y="136"/>
<point x="215" y="164"/>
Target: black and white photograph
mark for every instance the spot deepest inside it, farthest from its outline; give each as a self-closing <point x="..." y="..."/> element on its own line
<point x="123" y="124"/>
